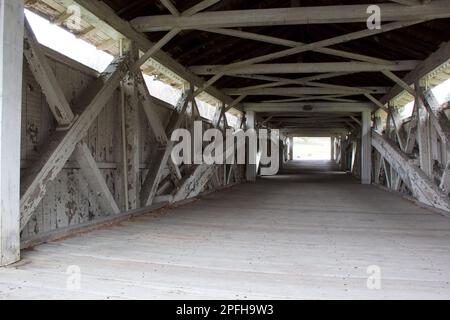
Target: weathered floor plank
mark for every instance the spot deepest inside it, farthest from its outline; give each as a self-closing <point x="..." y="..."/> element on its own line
<point x="309" y="233"/>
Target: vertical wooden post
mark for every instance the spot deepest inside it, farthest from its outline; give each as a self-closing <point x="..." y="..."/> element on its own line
<point x="333" y="148"/>
<point x="251" y="165"/>
<point x="282" y="151"/>
<point x="423" y="138"/>
<point x="132" y="151"/>
<point x="377" y="166"/>
<point x="366" y="148"/>
<point x="286" y="149"/>
<point x="356" y="158"/>
<point x="291" y="148"/>
<point x="343" y="154"/>
<point x="123" y="138"/>
<point x="11" y="57"/>
<point x="337" y="152"/>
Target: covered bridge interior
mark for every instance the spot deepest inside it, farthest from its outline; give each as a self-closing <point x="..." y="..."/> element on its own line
<point x="87" y="179"/>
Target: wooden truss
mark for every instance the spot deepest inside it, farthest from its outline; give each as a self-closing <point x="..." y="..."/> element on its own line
<point x="63" y="143"/>
<point x="410" y="155"/>
<point x="75" y="119"/>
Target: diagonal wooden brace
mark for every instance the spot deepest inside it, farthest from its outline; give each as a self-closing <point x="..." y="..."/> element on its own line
<point x="62" y="144"/>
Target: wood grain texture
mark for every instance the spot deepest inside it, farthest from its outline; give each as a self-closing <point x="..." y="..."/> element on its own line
<point x="11" y="50"/>
<point x="69" y="201"/>
<point x="276" y="239"/>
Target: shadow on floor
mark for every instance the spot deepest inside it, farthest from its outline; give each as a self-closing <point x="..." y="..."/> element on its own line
<point x="313" y="172"/>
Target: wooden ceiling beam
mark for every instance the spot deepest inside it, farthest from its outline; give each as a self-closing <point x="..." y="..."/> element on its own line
<point x="278" y="82"/>
<point x="317" y="45"/>
<point x="293" y="44"/>
<point x="313" y="107"/>
<point x="299" y="68"/>
<point x="292" y="16"/>
<point x="305" y="91"/>
<point x="220" y="72"/>
<point x="312" y="98"/>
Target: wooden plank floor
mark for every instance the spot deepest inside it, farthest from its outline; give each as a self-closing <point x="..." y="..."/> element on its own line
<point x="309" y="233"/>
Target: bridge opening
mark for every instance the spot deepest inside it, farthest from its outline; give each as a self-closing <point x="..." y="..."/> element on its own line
<point x="312" y="148"/>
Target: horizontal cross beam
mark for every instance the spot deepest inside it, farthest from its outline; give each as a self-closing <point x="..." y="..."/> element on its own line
<point x="292" y="16"/>
<point x="319" y="107"/>
<point x="298" y="68"/>
<point x="305" y="91"/>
